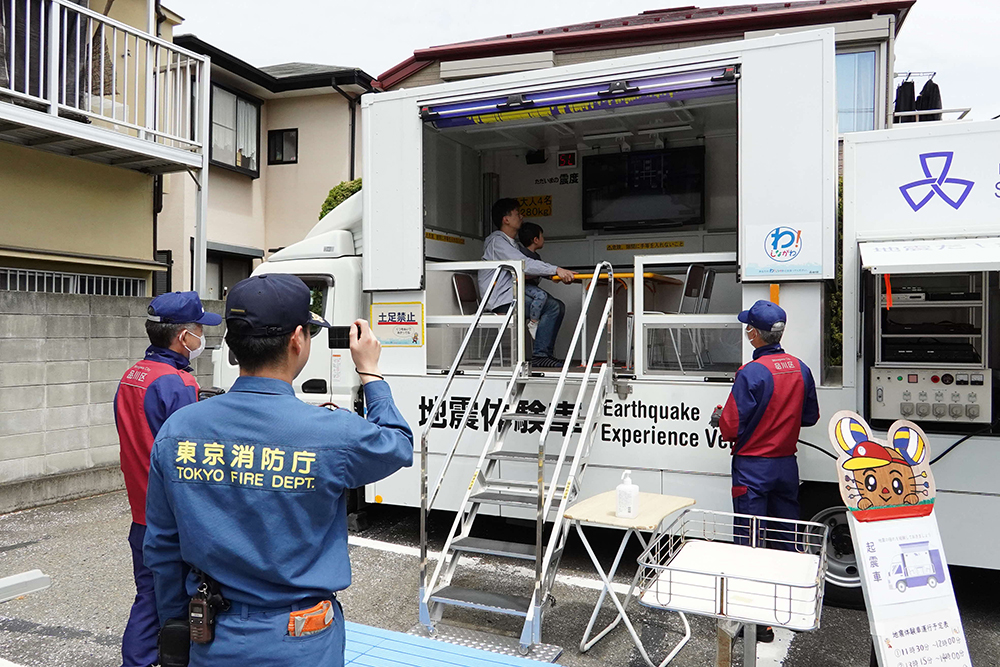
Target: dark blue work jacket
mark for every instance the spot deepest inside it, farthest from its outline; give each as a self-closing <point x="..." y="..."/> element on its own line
<point x="251" y="488"/>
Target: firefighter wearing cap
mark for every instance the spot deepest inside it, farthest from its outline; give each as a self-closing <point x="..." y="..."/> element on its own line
<point x="149" y="392"/>
<point x="249" y="488"/>
<point x="773" y="397"/>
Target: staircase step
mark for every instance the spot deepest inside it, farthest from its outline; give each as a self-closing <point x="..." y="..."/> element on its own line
<point x="510" y="499"/>
<point x="480" y="545"/>
<point x="519" y="486"/>
<point x="471" y="598"/>
<point x="526" y="457"/>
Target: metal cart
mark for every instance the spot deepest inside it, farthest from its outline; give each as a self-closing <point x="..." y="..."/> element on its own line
<point x="736" y="567"/>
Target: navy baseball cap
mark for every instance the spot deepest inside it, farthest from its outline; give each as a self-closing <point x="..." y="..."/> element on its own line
<point x="271" y="304"/>
<point x="764" y="316"/>
<point x="180" y="308"/>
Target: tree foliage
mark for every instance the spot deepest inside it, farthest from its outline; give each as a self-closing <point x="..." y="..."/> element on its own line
<point x="835" y="293"/>
<point x="338" y="194"/>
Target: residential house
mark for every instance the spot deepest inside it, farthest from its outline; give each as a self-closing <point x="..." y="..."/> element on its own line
<point x="96" y="103"/>
<point x="280" y="138"/>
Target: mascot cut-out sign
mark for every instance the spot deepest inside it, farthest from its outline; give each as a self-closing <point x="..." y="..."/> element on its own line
<point x="878" y="479"/>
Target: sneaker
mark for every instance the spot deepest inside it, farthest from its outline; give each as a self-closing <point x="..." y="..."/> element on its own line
<point x="533" y="328"/>
<point x="546" y="362"/>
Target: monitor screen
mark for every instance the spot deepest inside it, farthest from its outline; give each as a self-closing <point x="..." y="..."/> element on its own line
<point x="644" y="189"/>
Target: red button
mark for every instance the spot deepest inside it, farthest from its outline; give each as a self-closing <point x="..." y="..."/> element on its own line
<point x="935" y="379"/>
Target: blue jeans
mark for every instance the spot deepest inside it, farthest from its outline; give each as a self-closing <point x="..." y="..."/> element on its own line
<point x="535" y="298"/>
<point x="252" y="636"/>
<point x="548" y="323"/>
<point x="765" y="486"/>
<point x="139" y="639"/>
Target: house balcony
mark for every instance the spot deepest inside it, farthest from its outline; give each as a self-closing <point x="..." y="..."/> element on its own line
<point x="76" y="83"/>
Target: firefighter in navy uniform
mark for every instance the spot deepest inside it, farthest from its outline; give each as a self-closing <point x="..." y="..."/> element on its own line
<point x="248" y="490"/>
<point x="773" y="397"/>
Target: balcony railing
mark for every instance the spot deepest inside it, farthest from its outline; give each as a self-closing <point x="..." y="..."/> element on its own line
<point x="66" y="60"/>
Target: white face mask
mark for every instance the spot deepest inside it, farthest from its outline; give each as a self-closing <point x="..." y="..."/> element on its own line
<point x="195" y="353"/>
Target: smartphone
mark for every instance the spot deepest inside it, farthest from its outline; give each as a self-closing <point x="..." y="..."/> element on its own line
<point x="340" y="337"/>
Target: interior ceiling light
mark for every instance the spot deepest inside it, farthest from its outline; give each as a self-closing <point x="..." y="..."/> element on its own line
<point x="607" y="135"/>
<point x="662" y="130"/>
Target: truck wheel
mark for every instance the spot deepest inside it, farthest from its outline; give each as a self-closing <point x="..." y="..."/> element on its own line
<point x="932" y="582"/>
<point x="821" y="503"/>
<point x="901" y="586"/>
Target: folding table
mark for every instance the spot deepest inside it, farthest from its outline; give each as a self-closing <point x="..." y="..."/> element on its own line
<point x="599" y="511"/>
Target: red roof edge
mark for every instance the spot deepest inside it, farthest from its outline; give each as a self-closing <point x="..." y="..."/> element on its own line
<point x="400" y="72"/>
<point x="626" y="34"/>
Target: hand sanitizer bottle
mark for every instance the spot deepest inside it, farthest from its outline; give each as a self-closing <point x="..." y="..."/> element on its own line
<point x="628" y="497"/>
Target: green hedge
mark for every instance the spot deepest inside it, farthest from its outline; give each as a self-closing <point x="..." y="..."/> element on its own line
<point x="338" y="194"/>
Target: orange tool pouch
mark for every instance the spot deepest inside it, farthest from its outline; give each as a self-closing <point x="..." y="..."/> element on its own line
<point x="310" y="621"/>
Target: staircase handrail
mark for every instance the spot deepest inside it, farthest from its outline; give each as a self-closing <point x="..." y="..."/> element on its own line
<point x="427" y="502"/>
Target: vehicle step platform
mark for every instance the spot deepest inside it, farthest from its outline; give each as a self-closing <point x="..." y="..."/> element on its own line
<point x="480" y="545"/>
<point x="471" y="598"/>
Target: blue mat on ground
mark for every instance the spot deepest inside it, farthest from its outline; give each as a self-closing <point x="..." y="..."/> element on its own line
<point x="374" y="647"/>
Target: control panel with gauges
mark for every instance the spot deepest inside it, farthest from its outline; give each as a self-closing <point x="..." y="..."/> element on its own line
<point x="938" y="394"/>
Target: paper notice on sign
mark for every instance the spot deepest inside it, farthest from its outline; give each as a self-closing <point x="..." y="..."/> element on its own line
<point x="336" y="368"/>
<point x="398" y="324"/>
<point x="930" y="638"/>
<point x="910" y="600"/>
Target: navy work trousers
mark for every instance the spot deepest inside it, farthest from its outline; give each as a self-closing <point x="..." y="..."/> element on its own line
<point x="139" y="640"/>
<point x="766" y="486"/>
<point x="247" y="635"/>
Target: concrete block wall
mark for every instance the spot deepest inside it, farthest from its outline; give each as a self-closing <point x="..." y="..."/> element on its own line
<point x="61" y="357"/>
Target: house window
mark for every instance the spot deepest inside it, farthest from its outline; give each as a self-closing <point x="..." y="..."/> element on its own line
<point x="235" y="131"/>
<point x="283" y="147"/>
<point x="856" y="91"/>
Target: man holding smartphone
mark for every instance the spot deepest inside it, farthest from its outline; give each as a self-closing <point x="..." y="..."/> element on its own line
<point x="249" y="491"/>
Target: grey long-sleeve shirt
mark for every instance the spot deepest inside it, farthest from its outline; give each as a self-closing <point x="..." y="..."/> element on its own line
<point x="498" y="247"/>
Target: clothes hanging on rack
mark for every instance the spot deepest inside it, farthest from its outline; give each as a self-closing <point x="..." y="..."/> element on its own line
<point x="905" y="101"/>
<point x="930" y="98"/>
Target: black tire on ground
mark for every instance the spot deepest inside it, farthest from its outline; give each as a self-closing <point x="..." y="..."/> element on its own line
<point x="822" y="503"/>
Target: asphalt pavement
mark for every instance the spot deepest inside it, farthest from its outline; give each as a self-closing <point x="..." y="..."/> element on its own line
<point x="82" y="546"/>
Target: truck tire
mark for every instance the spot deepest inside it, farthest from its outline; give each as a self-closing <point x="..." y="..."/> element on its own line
<point x="821" y="503"/>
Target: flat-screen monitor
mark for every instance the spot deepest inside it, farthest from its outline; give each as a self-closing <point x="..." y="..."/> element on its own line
<point x="644" y="189"/>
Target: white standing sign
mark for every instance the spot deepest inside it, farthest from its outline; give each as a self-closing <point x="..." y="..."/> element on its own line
<point x="908" y="592"/>
<point x="889" y="491"/>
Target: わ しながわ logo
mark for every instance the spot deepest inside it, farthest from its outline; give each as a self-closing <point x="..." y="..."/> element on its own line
<point x="783" y="244"/>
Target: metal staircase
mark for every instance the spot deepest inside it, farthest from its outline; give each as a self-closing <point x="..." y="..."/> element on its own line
<point x="560" y="470"/>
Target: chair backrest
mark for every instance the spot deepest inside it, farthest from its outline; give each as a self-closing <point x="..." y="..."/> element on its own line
<point x="466" y="292"/>
<point x="691" y="294"/>
<point x="706" y="291"/>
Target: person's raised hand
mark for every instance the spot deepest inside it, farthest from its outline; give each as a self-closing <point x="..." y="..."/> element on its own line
<point x="365" y="351"/>
<point x="565" y="275"/>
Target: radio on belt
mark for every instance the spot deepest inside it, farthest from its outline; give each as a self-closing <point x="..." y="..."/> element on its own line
<point x="931" y="348"/>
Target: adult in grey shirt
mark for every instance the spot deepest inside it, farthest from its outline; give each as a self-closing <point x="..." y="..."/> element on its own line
<point x="503" y="245"/>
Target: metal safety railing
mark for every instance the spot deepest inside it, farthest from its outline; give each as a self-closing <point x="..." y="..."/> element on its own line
<point x="515" y="309"/>
<point x="59" y="282"/>
<point x="70" y="61"/>
<point x="549" y="495"/>
<point x="545" y="559"/>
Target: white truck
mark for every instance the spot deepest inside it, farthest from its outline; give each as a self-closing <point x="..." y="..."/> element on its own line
<point x="706" y="178"/>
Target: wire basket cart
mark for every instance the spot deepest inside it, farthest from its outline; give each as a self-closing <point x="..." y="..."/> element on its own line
<point x="736" y="567"/>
